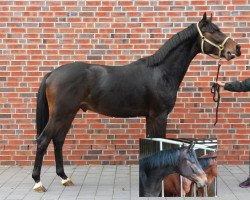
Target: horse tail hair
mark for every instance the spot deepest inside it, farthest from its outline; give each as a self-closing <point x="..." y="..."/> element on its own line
<point x="42" y="109"/>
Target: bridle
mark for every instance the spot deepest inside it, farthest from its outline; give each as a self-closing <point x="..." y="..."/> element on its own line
<point x="204" y="39"/>
<point x="215" y="90"/>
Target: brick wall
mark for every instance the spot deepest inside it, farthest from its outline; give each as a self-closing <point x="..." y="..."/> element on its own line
<point x="38" y="36"/>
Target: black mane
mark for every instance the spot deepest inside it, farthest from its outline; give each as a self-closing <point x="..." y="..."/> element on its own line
<point x="170" y="44"/>
<point x="160" y="159"/>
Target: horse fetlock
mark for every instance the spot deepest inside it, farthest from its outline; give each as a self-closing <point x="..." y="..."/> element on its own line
<point x="60" y="172"/>
<point x="67" y="182"/>
<point x="36" y="176"/>
<point x="38" y="187"/>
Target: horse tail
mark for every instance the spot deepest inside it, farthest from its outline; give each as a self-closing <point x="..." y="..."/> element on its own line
<point x="42" y="109"/>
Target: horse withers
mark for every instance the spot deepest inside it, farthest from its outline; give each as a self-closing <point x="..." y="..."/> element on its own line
<point x="147" y="87"/>
<point x="153" y="169"/>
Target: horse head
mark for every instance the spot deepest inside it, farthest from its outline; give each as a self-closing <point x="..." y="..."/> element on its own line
<point x="212" y="163"/>
<point x="189" y="166"/>
<point x="213" y="41"/>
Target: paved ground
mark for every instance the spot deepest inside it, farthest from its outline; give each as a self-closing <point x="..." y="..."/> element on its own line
<point x="103" y="183"/>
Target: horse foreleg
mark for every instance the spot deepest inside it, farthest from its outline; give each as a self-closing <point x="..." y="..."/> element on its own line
<point x="58" y="144"/>
<point x="42" y="144"/>
<point x="156" y="126"/>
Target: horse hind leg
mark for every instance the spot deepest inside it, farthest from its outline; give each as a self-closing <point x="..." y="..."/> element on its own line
<point x="42" y="145"/>
<point x="62" y="125"/>
<point x="58" y="144"/>
<point x="56" y="129"/>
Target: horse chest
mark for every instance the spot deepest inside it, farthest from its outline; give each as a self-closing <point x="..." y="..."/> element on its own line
<point x="163" y="99"/>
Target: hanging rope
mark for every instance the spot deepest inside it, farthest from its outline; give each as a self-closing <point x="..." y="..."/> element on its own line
<point x="215" y="90"/>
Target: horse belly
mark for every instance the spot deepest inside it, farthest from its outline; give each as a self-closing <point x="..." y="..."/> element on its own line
<point x="119" y="111"/>
<point x="116" y="96"/>
<point x="115" y="107"/>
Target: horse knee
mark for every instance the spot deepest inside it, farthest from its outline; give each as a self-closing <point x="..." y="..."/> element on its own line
<point x="41" y="149"/>
<point x="42" y="144"/>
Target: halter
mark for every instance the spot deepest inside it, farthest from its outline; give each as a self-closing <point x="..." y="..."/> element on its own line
<point x="203" y="40"/>
<point x="215" y="90"/>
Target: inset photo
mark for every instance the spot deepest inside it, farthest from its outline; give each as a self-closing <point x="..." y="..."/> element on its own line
<point x="178" y="167"/>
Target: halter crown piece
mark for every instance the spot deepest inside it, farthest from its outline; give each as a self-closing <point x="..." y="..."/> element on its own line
<point x="203" y="40"/>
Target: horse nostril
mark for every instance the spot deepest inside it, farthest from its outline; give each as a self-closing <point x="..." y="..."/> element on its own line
<point x="238" y="52"/>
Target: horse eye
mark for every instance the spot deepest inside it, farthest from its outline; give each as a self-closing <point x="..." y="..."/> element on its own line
<point x="192" y="161"/>
<point x="193" y="170"/>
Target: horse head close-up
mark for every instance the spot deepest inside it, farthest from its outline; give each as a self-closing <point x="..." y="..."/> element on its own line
<point x="156" y="167"/>
<point x="213" y="41"/>
<point x="172" y="183"/>
<point x="190" y="167"/>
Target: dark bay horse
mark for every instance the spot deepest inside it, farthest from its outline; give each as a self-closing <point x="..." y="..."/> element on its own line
<point x="172" y="186"/>
<point x="147" y="87"/>
<point x="153" y="169"/>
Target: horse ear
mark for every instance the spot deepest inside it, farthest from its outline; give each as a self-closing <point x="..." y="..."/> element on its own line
<point x="191" y="146"/>
<point x="204" y="21"/>
<point x="211" y="17"/>
<point x="204" y="18"/>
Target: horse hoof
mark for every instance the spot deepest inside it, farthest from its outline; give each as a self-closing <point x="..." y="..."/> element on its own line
<point x="67" y="182"/>
<point x="39" y="187"/>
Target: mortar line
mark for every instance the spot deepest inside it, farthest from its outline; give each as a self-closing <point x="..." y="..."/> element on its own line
<point x="82" y="182"/>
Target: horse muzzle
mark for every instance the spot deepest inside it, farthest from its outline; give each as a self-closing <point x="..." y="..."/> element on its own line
<point x="201" y="180"/>
<point x="238" y="51"/>
<point x="231" y="54"/>
<point x="201" y="183"/>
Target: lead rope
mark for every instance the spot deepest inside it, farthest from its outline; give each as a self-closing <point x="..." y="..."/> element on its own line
<point x="215" y="90"/>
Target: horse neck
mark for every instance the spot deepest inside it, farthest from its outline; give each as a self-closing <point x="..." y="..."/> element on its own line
<point x="208" y="165"/>
<point x="176" y="64"/>
<point x="210" y="176"/>
<point x="174" y="57"/>
<point x="167" y="163"/>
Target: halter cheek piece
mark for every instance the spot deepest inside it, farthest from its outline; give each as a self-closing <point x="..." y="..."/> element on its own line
<point x="203" y="40"/>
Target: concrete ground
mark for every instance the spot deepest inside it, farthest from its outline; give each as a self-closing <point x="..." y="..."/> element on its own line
<point x="103" y="183"/>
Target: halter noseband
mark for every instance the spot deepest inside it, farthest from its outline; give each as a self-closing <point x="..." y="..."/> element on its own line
<point x="203" y="39"/>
